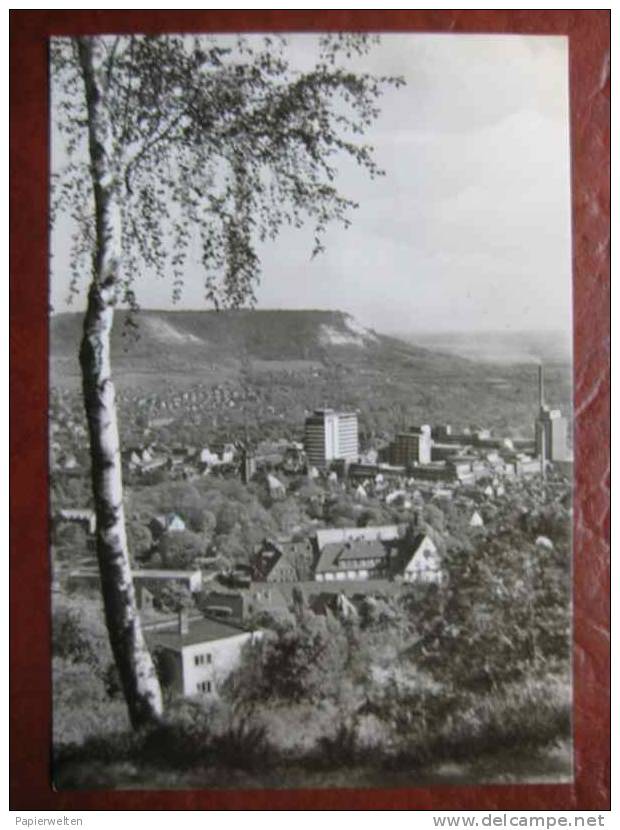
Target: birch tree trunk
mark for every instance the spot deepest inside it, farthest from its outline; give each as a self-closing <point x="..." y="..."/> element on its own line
<point x="135" y="666"/>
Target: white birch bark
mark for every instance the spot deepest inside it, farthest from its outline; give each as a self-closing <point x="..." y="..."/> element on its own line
<point x="135" y="666"/>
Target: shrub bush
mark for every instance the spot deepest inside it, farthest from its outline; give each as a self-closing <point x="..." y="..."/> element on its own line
<point x="196" y="732"/>
<point x="523" y="716"/>
<point x="81" y="706"/>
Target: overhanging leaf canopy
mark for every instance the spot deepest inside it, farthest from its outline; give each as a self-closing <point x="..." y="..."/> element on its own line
<point x="216" y="141"/>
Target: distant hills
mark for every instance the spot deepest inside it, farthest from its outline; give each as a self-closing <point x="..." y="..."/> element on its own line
<point x="501" y="347"/>
<point x="294" y="361"/>
<point x="294" y="335"/>
<point x="268" y="335"/>
<point x="192" y="340"/>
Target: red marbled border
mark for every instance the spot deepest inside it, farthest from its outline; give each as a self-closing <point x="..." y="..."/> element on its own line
<point x="589" y="34"/>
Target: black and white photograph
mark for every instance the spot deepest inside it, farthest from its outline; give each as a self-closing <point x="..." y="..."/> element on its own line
<point x="310" y="411"/>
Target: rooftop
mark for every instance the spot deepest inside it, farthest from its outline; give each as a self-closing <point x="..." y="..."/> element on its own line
<point x="335" y="555"/>
<point x="329" y="411"/>
<point x="161" y="573"/>
<point x="329" y="535"/>
<point x="358" y="549"/>
<point x="201" y="631"/>
<point x="145" y="573"/>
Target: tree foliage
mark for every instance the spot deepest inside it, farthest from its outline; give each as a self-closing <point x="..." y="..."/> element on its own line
<point x="180" y="549"/>
<point x="293" y="661"/>
<point x="173" y="597"/>
<point x="78" y="632"/>
<point x="173" y="140"/>
<point x="503" y="613"/>
<point x="216" y="143"/>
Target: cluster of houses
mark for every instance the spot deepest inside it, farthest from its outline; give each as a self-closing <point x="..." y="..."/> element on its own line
<point x="144" y="453"/>
<point x="227" y="458"/>
<point x="181" y="461"/>
<point x="341" y="555"/>
<point x="199" y="404"/>
<point x="350" y="554"/>
<point x="337" y="570"/>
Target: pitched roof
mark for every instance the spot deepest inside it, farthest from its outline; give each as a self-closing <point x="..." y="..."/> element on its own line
<point x="274" y="551"/>
<point x="408" y="552"/>
<point x="336" y="555"/>
<point x="363" y="549"/>
<point x="291" y="546"/>
<point x="77" y="513"/>
<point x="329" y="535"/>
<point x="267" y="558"/>
<point x="418" y="539"/>
<point x="164" y="520"/>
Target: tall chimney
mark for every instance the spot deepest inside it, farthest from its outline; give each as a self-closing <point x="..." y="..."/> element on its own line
<point x="183" y="622"/>
<point x="541" y="386"/>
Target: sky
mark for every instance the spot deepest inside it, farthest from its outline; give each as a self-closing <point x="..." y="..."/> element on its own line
<point x="468" y="231"/>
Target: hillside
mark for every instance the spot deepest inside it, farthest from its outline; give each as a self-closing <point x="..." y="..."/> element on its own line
<point x="274" y="366"/>
<point x="269" y="334"/>
<point x="200" y="340"/>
